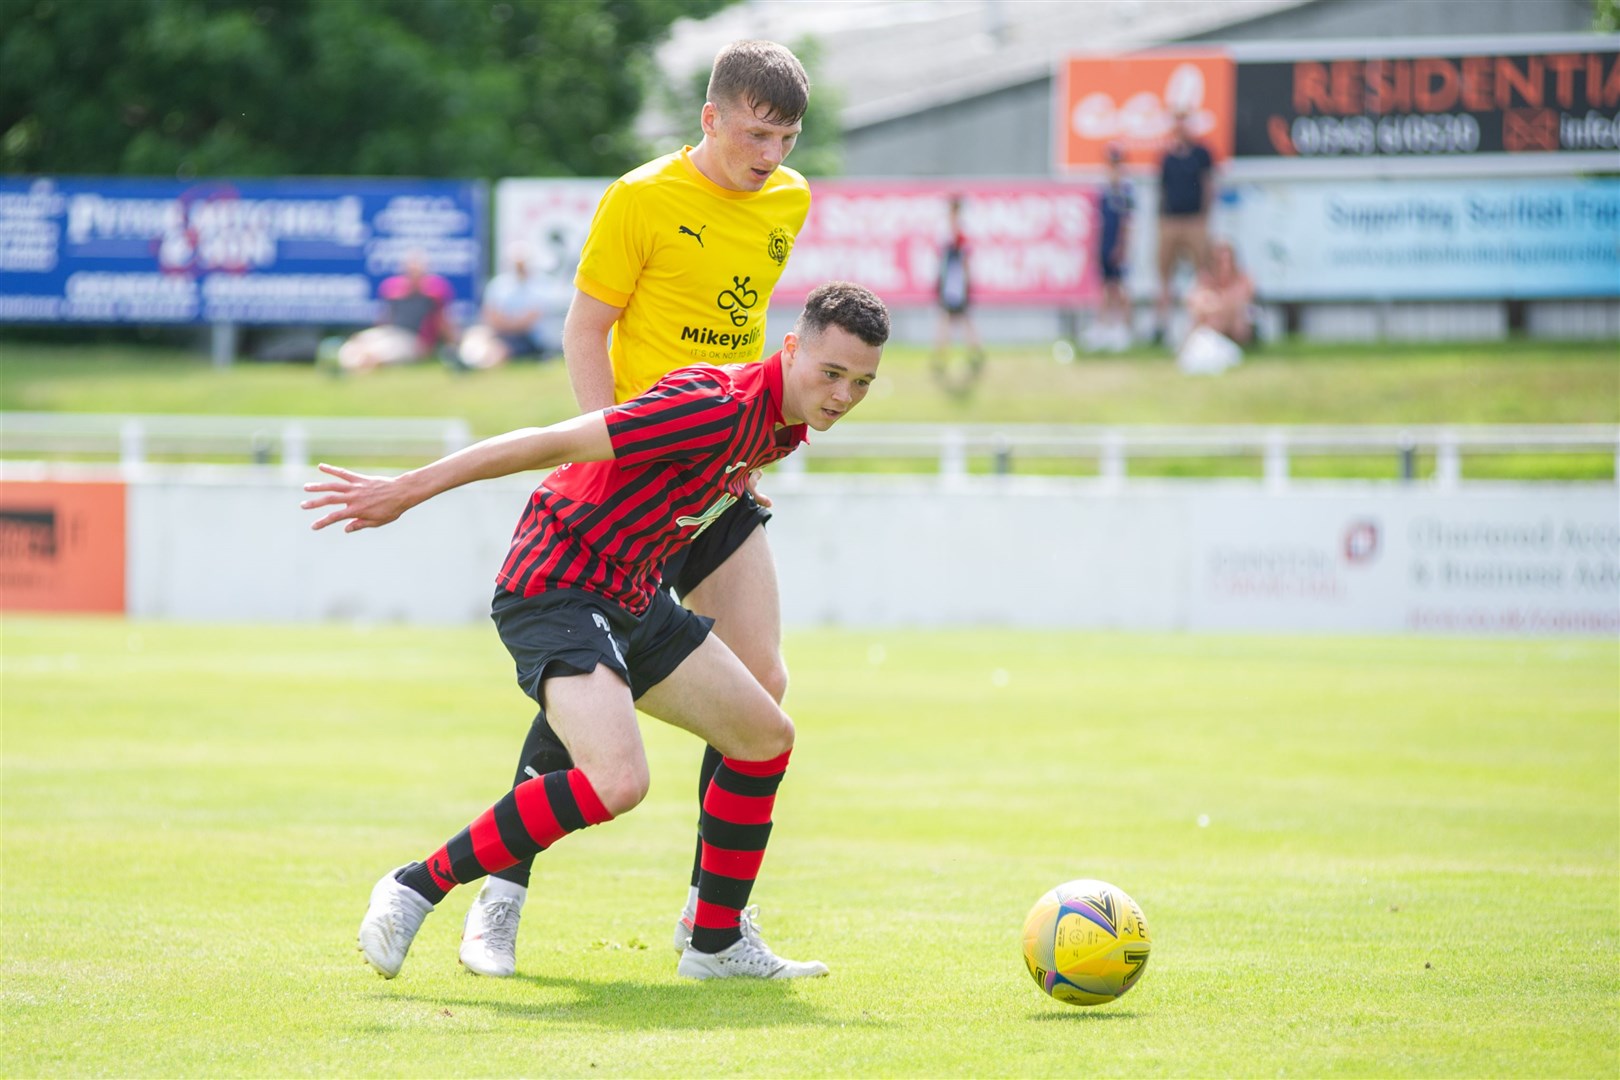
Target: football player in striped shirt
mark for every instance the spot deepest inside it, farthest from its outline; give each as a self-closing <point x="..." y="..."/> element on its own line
<point x="679" y="266"/>
<point x="578" y="605"/>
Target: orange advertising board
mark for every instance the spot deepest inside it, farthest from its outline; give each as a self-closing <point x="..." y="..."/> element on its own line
<point x="1131" y="100"/>
<point x="61" y="546"/>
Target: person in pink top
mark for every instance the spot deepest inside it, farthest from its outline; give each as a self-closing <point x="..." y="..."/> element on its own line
<point x="415" y="319"/>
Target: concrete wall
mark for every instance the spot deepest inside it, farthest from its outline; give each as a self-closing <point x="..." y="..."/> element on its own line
<point x="232" y="545"/>
<point x="1331" y="19"/>
<point x="1007" y="132"/>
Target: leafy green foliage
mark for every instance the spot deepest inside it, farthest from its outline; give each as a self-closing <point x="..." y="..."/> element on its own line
<point x="359" y="87"/>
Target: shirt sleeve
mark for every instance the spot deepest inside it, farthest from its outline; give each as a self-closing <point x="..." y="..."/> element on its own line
<point x="689" y="413"/>
<point x="615" y="249"/>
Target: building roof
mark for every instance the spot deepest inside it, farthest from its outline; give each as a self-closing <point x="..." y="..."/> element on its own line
<point x="893" y="58"/>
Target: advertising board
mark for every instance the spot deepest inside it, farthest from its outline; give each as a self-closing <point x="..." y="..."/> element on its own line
<point x="62" y="546"/>
<point x="1456" y="105"/>
<point x="1028" y="242"/>
<point x="1461" y="103"/>
<point x="1131" y="101"/>
<point x="1420" y="238"/>
<point x="120" y="250"/>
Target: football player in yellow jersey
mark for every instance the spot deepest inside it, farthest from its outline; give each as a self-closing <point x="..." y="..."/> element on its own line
<point x="678" y="268"/>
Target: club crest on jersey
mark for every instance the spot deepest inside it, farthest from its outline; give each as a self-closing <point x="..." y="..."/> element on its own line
<point x="778" y="244"/>
<point x="709" y="516"/>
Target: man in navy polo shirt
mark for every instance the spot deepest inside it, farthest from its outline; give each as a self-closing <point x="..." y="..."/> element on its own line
<point x="1185" y="187"/>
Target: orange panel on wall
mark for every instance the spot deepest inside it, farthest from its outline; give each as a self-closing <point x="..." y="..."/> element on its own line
<point x="1132" y="100"/>
<point x="61" y="546"/>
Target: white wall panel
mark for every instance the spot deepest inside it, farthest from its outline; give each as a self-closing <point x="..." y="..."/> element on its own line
<point x="232" y="545"/>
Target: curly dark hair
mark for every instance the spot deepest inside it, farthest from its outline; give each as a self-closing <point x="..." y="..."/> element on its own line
<point x="848" y="306"/>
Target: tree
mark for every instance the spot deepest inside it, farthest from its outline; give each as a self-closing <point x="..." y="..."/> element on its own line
<point x="1606" y="16"/>
<point x="441" y="88"/>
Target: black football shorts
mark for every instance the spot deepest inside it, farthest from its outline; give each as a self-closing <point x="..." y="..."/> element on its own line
<point x="687" y="568"/>
<point x="571" y="631"/>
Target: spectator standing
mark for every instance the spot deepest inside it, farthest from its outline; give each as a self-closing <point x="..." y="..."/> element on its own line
<point x="1185" y="187"/>
<point x="1112" y="330"/>
<point x="955" y="298"/>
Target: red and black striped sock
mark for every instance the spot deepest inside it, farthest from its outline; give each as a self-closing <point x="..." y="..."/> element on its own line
<point x="736" y="825"/>
<point x="528" y="819"/>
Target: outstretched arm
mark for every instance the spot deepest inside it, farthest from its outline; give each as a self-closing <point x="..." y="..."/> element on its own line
<point x="366" y="502"/>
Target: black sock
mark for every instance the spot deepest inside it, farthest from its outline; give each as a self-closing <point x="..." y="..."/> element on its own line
<point x="542" y="753"/>
<point x="417" y="878"/>
<point x="711" y="762"/>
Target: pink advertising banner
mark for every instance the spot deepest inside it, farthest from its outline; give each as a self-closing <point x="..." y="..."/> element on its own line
<point x="1027" y="243"/>
<point x="1031" y="242"/>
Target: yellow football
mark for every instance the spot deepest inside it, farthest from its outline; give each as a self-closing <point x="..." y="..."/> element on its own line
<point x="1086" y="942"/>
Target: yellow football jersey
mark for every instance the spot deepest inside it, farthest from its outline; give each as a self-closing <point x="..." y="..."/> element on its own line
<point x="693" y="265"/>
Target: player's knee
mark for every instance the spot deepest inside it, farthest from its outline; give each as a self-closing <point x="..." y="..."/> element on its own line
<point x="775" y="680"/>
<point x="772" y="737"/>
<point x="620" y="787"/>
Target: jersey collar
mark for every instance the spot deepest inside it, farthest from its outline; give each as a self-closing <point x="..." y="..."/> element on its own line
<point x="703" y="182"/>
<point x="793" y="434"/>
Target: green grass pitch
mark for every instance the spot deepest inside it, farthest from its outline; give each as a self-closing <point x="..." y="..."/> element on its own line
<point x="1358" y="857"/>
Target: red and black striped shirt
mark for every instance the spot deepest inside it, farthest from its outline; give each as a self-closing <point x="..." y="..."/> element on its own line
<point x="681" y="455"/>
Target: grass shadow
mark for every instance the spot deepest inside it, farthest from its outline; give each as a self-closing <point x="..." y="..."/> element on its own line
<point x="631" y="1005"/>
<point x="1083" y="1016"/>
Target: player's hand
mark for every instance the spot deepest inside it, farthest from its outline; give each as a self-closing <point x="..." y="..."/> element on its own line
<point x="753" y="488"/>
<point x="365" y="502"/>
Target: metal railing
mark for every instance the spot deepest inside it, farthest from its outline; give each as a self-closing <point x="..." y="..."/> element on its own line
<point x="292" y="441"/>
<point x="951" y="449"/>
<point x="1113" y="448"/>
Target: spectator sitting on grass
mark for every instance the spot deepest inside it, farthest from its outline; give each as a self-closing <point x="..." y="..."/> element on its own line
<point x="415" y="320"/>
<point x="1220" y="308"/>
<point x="1223" y="297"/>
<point x="511" y="318"/>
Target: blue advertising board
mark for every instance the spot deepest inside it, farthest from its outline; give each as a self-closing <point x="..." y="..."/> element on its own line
<point x="291" y="250"/>
<point x="1423" y="239"/>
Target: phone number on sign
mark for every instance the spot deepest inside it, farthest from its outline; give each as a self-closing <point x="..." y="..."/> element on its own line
<point x="1514" y="620"/>
<point x="1325" y="136"/>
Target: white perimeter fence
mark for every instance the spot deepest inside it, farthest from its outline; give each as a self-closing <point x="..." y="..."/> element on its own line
<point x="955" y="450"/>
<point x="953" y="547"/>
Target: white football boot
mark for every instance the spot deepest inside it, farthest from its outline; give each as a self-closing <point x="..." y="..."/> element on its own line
<point x="391" y="923"/>
<point x="489" y="936"/>
<point x="688" y="919"/>
<point x="749" y="958"/>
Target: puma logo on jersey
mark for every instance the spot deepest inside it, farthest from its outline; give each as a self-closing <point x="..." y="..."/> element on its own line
<point x="698" y="236"/>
